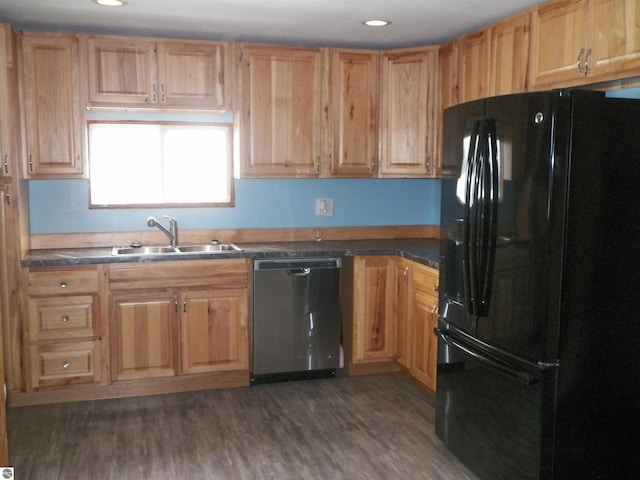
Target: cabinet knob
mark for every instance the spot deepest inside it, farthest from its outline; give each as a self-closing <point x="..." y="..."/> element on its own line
<point x="66" y="365"/>
<point x="436" y="288"/>
<point x="65" y="318"/>
<point x="63" y="284"/>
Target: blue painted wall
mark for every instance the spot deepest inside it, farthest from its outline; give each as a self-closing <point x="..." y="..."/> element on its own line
<point x="62" y="206"/>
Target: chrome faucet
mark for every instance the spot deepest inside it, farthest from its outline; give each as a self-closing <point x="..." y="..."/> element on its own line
<point x="172" y="233"/>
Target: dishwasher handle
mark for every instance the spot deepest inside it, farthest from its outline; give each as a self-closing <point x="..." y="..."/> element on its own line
<point x="298" y="272"/>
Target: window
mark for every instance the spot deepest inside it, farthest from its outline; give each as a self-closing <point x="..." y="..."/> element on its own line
<point x="160" y="163"/>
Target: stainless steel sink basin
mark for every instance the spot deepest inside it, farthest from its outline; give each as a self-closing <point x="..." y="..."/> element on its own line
<point x="142" y="250"/>
<point x="205" y="248"/>
<point x="210" y="248"/>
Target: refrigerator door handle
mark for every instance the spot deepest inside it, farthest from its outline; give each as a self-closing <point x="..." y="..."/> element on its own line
<point x="498" y="365"/>
<point x="470" y="215"/>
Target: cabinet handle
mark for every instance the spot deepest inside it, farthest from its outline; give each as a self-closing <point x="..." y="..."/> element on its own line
<point x="66" y="365"/>
<point x="578" y="62"/>
<point x="373" y="166"/>
<point x="405" y="274"/>
<point x="63" y="284"/>
<point x="587" y="70"/>
<point x="184" y="304"/>
<point x="435" y="315"/>
<point x="154" y="93"/>
<point x="7" y="196"/>
<point x="65" y="318"/>
<point x="175" y="302"/>
<point x="436" y="288"/>
<point x="318" y="167"/>
<point x="162" y="95"/>
<point x="6" y="163"/>
<point x="30" y="163"/>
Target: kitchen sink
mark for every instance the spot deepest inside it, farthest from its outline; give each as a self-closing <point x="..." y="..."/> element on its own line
<point x="142" y="250"/>
<point x="210" y="248"/>
<point x="205" y="248"/>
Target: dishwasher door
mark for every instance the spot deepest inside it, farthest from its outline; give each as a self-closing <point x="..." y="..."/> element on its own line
<point x="297" y="327"/>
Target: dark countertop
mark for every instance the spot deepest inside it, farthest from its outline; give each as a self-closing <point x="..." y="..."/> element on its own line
<point x="421" y="250"/>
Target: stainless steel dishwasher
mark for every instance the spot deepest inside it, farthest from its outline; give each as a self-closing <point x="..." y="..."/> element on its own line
<point x="297" y="323"/>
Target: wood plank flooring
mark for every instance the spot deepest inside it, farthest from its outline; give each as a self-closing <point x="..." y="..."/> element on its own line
<point x="369" y="428"/>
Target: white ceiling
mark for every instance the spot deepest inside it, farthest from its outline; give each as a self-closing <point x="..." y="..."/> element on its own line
<point x="299" y="22"/>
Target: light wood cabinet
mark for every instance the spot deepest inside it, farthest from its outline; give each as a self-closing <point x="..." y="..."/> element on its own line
<point x="157" y="74"/>
<point x="577" y="42"/>
<point x="9" y="127"/>
<point x="282" y="108"/>
<point x="404" y="337"/>
<point x="408" y="105"/>
<point x="4" y="317"/>
<point x="423" y="308"/>
<point x="178" y="318"/>
<point x="354" y="107"/>
<point x="374" y="309"/>
<point x="63" y="328"/>
<point x="509" y="56"/>
<point x="474" y="66"/>
<point x="53" y="105"/>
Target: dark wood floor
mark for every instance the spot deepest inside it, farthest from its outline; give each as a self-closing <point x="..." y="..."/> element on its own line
<point x="373" y="427"/>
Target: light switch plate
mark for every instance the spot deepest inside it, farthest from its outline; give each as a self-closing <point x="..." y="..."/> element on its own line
<point x="324" y="207"/>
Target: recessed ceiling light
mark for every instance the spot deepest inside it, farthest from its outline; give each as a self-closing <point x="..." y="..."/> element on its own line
<point x="111" y="3"/>
<point x="376" y="23"/>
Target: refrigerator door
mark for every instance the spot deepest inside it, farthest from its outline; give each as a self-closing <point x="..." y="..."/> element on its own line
<point x="501" y="266"/>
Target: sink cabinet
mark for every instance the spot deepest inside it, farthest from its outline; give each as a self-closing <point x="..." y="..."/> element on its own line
<point x="178" y="318"/>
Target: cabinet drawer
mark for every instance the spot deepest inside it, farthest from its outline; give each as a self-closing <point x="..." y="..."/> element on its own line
<point x="63" y="281"/>
<point x="65" y="363"/>
<point x="59" y="318"/>
<point x="425" y="279"/>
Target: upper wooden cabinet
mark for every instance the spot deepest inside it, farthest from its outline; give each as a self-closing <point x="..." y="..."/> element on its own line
<point x="354" y="107"/>
<point x="474" y="67"/>
<point x="53" y="105"/>
<point x="157" y="74"/>
<point x="9" y="127"/>
<point x="282" y="111"/>
<point x="576" y="42"/>
<point x="509" y="55"/>
<point x="408" y="104"/>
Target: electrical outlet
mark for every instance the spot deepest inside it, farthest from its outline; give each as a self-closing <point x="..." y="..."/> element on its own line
<point x="324" y="207"/>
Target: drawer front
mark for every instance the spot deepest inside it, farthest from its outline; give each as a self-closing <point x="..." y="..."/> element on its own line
<point x="59" y="318"/>
<point x="65" y="364"/>
<point x="63" y="281"/>
<point x="425" y="279"/>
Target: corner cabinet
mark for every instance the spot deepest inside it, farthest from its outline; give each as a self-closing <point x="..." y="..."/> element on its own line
<point x="53" y="105"/>
<point x="577" y="42"/>
<point x="283" y="111"/>
<point x="178" y="318"/>
<point x="354" y="106"/>
<point x="408" y="103"/>
<point x="158" y="74"/>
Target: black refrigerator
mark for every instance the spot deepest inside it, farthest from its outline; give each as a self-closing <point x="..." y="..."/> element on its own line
<point x="539" y="330"/>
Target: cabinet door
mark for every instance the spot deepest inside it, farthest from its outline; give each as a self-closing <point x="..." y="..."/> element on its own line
<point x="122" y="71"/>
<point x="143" y="333"/>
<point x="191" y="75"/>
<point x="374" y="294"/>
<point x="425" y="344"/>
<point x="403" y="313"/>
<point x="53" y="107"/>
<point x="282" y="92"/>
<point x="474" y="67"/>
<point x="558" y="36"/>
<point x="9" y="129"/>
<point x="509" y="56"/>
<point x="615" y="37"/>
<point x="407" y="113"/>
<point x="214" y="331"/>
<point x="354" y="102"/>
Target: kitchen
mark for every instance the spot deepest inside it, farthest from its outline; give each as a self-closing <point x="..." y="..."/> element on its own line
<point x="57" y="209"/>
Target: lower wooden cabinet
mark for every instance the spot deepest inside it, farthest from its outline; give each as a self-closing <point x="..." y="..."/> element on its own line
<point x="63" y="331"/>
<point x="178" y="318"/>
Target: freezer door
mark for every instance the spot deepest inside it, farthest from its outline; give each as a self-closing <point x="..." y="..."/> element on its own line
<point x="494" y="412"/>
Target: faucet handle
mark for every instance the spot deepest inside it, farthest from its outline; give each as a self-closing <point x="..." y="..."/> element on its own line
<point x="171" y="219"/>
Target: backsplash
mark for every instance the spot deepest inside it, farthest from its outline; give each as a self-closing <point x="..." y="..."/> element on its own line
<point x="62" y="206"/>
